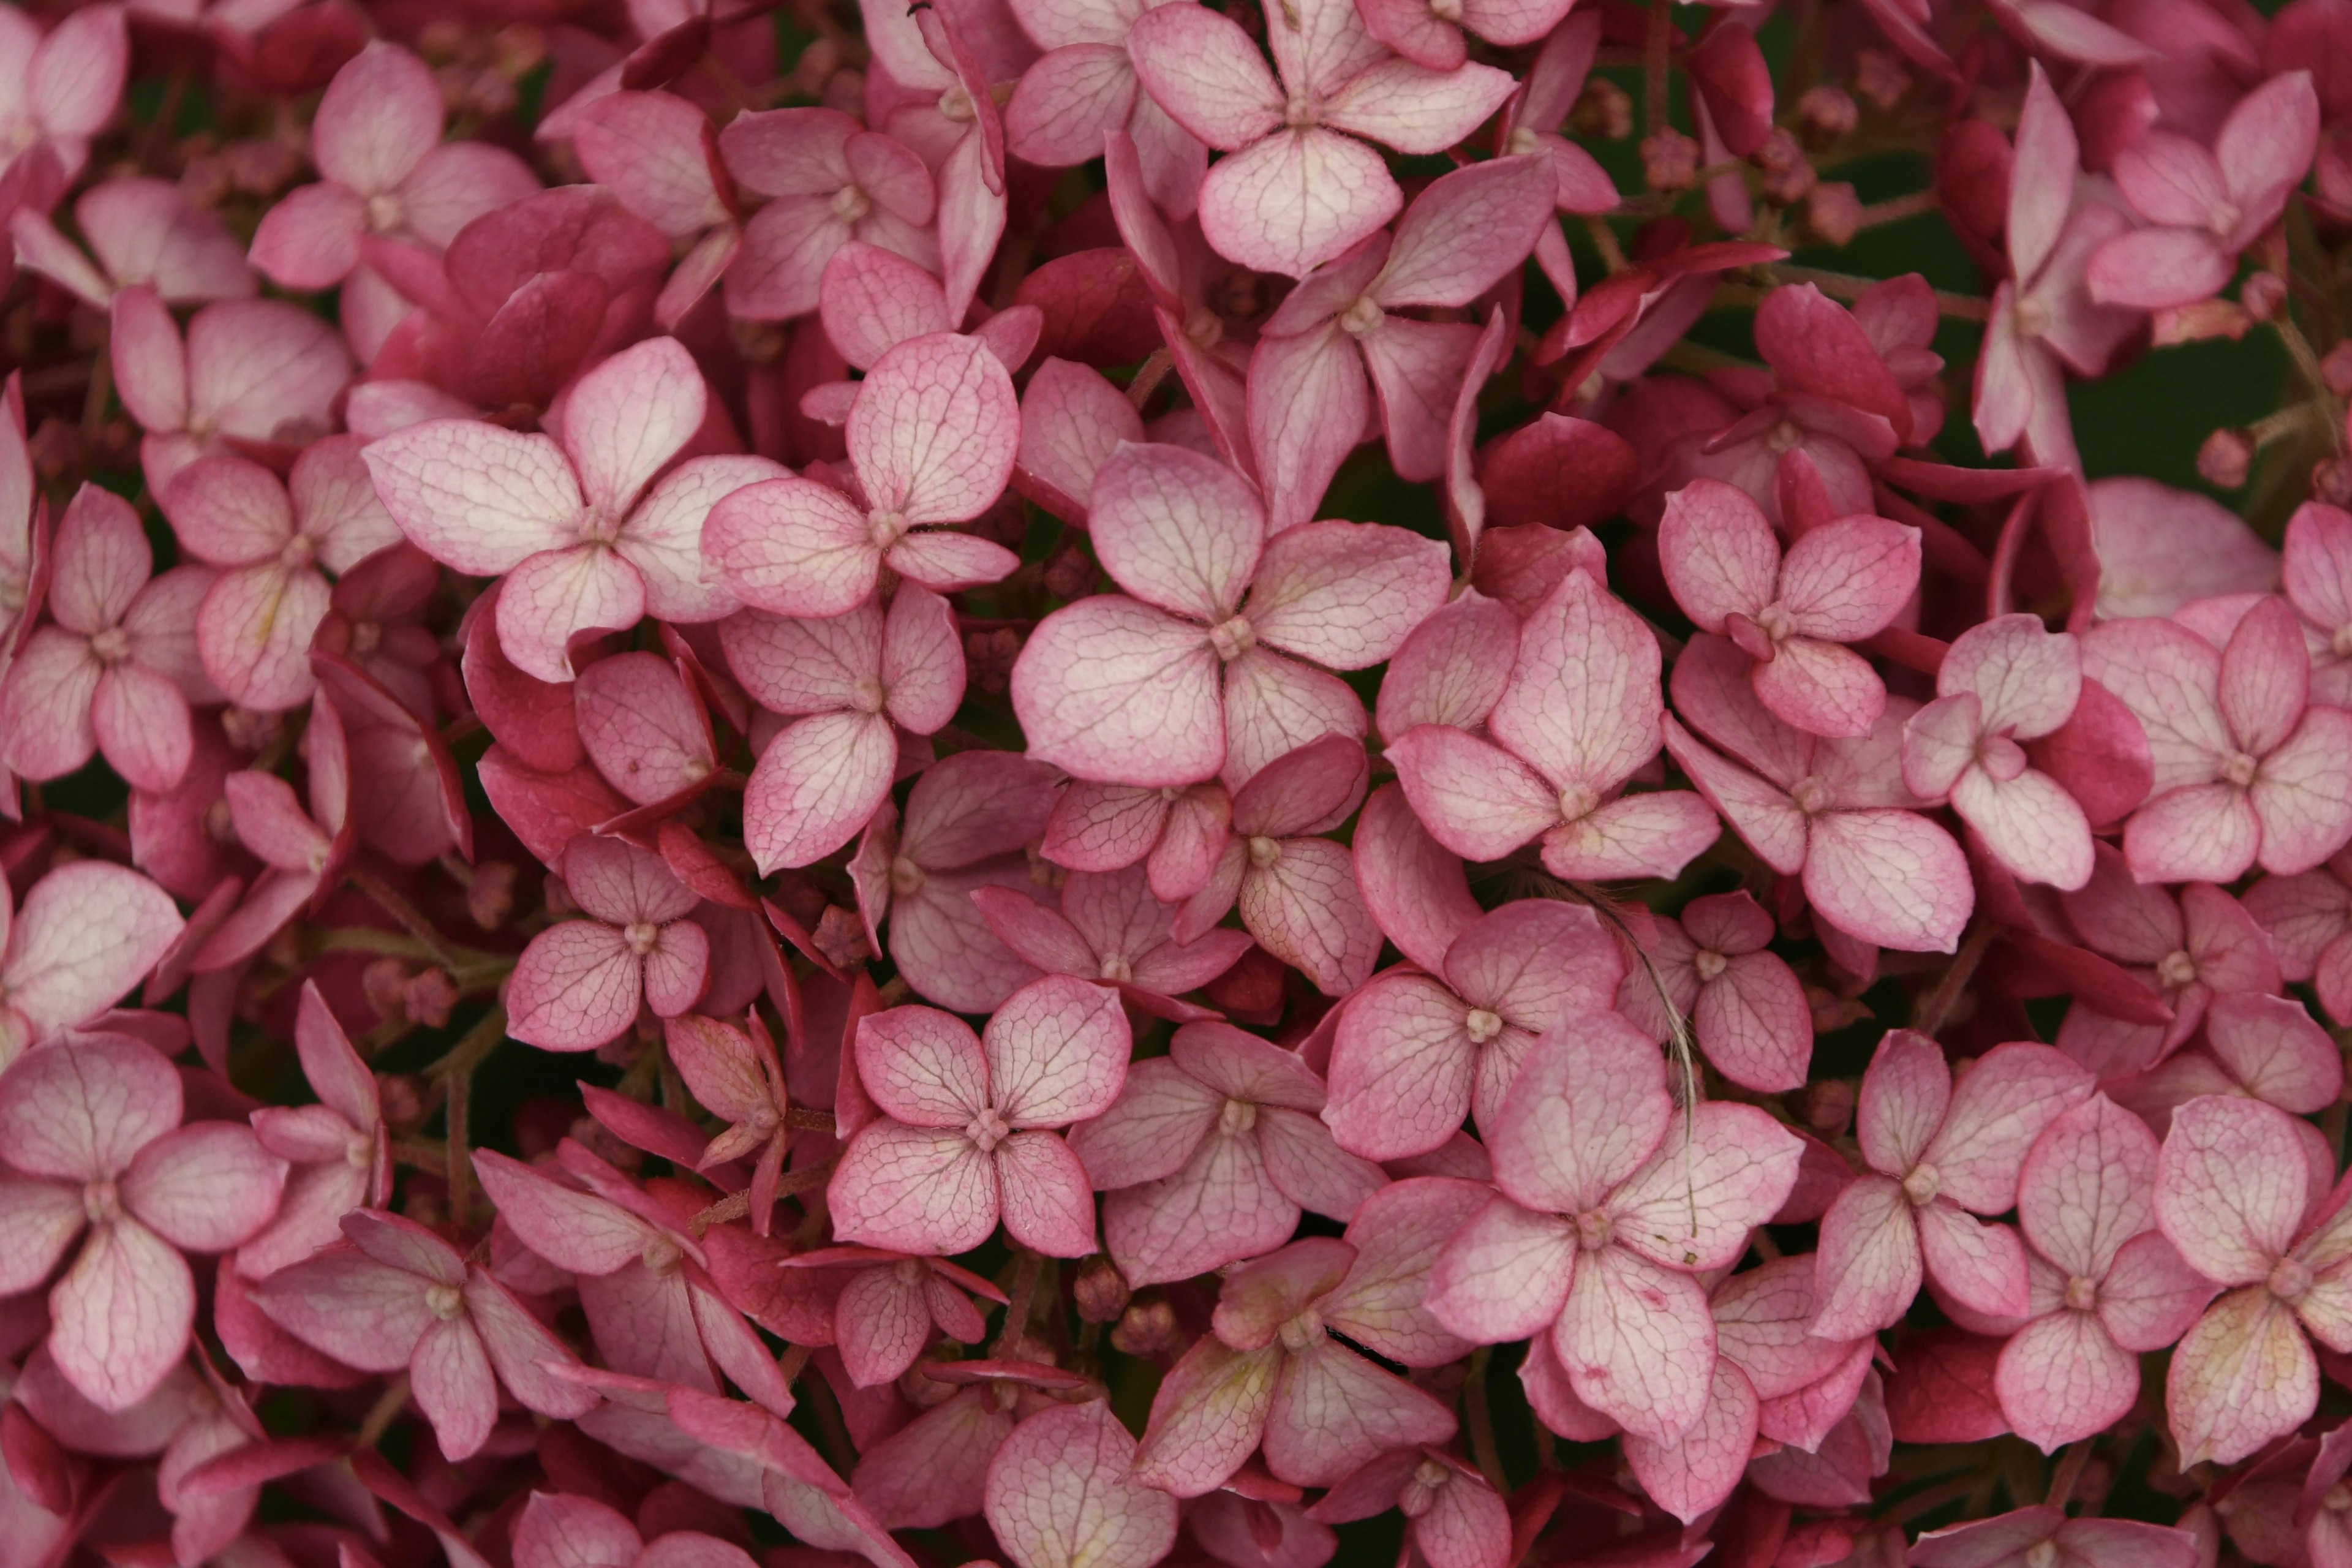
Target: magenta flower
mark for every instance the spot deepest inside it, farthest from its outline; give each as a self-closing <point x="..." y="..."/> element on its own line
<point x="398" y="1298"/>
<point x="2030" y="1537"/>
<point x="1416" y="1052"/>
<point x="1085" y="85"/>
<point x="93" y="1126"/>
<point x="2006" y="680"/>
<point x="557" y="1530"/>
<point x="1293" y="141"/>
<point x="1838" y="584"/>
<point x="303" y="851"/>
<point x="339" y="1148"/>
<point x="852" y="682"/>
<point x="932" y="439"/>
<point x="1940" y="1154"/>
<point x="115" y="670"/>
<point x="2247" y="769"/>
<point x="143" y="233"/>
<point x="1744" y="1004"/>
<point x="967" y="1130"/>
<point x="579" y="982"/>
<point x="1580" y="715"/>
<point x="1113" y="929"/>
<point x="1211" y="668"/>
<point x="829" y="182"/>
<point x="1210" y="1153"/>
<point x="2201" y="208"/>
<point x="1061" y="1490"/>
<point x="2106" y="1284"/>
<point x="1607" y="1203"/>
<point x="947" y="110"/>
<point x="1834" y="811"/>
<point x="384" y="175"/>
<point x="564" y="525"/>
<point x="273" y="544"/>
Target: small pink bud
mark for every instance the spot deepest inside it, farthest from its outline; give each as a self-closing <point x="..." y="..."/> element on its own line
<point x="490" y="900"/>
<point x="2335" y="369"/>
<point x="1827" y="1107"/>
<point x="1787" y="174"/>
<point x="2263" y="295"/>
<point x="1669" y="160"/>
<point x="2225" y="459"/>
<point x="1147" y="1328"/>
<point x="1834" y="213"/>
<point x="1101" y="1291"/>
<point x="1826" y="113"/>
<point x="1603" y="111"/>
<point x="1880" y="78"/>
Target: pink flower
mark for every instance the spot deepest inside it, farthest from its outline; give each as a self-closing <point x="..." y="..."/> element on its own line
<point x="2265" y="1047"/>
<point x="2317" y="567"/>
<point x="655" y="152"/>
<point x="258" y="372"/>
<point x="556" y="1530"/>
<point x="1211" y="668"/>
<point x="967" y="1131"/>
<point x="1060" y="1492"/>
<point x="56" y="93"/>
<point x="579" y="983"/>
<point x="829" y="182"/>
<point x="2306" y="919"/>
<point x="1744" y="1003"/>
<point x="398" y="1298"/>
<point x="1414" y="1052"/>
<point x="885" y="1314"/>
<point x="304" y="852"/>
<point x="1452" y="1518"/>
<point x="382" y="175"/>
<point x="1938" y="1155"/>
<point x="2202" y="208"/>
<point x="2233" y="1195"/>
<point x="932" y="439"/>
<point x="81" y="937"/>
<point x="339" y="1148"/>
<point x="274" y="544"/>
<point x="741" y="1082"/>
<point x="1834" y="811"/>
<point x="2006" y="681"/>
<point x="1112" y="928"/>
<point x="2246" y="769"/>
<point x="1609" y="1201"/>
<point x="2030" y="1537"/>
<point x="1295" y="137"/>
<point x="1267" y="1373"/>
<point x="1578" y="717"/>
<point x="1210" y="1153"/>
<point x="1839" y="583"/>
<point x="564" y="525"/>
<point x="1175" y="835"/>
<point x="93" y="1126"/>
<point x="144" y="234"/>
<point x="1307" y="401"/>
<point x="853" y="681"/>
<point x="113" y="671"/>
<point x="1085" y="85"/>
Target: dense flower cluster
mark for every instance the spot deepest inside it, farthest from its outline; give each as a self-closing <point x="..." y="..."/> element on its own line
<point x="1082" y="781"/>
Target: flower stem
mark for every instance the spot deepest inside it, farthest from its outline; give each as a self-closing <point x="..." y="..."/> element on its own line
<point x="1937" y="1005"/>
<point x="455" y="1072"/>
<point x="2069" y="1472"/>
<point x="1027" y="1265"/>
<point x="1480" y="1417"/>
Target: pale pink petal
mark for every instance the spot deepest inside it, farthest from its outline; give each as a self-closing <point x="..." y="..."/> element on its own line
<point x="85" y="935"/>
<point x="922" y="1067"/>
<point x="1177" y="530"/>
<point x="450" y="1378"/>
<point x="1306" y="909"/>
<point x="1204" y="71"/>
<point x="2230" y="1187"/>
<point x="1504" y="1275"/>
<point x="120" y="1318"/>
<point x="934" y="430"/>
<point x="1296" y="198"/>
<point x="204" y="1188"/>
<point x="2061" y="1378"/>
<point x="1590" y="1108"/>
<point x="1719" y="553"/>
<point x="1209" y="1412"/>
<point x="1708" y="1186"/>
<point x="914" y="1189"/>
<point x="2300" y="795"/>
<point x="1114" y="690"/>
<point x="1699" y="1470"/>
<point x="475" y="497"/>
<point x="1638" y="1343"/>
<point x="1306" y="409"/>
<point x="1059" y="1494"/>
<point x="576" y="986"/>
<point x="2243" y="1376"/>
<point x="380" y="115"/>
<point x="1333" y="1410"/>
<point x="662" y="538"/>
<point x="1890" y="878"/>
<point x="629" y="417"/>
<point x="816" y="786"/>
<point x="558" y="596"/>
<point x="1981" y="1266"/>
<point x="1997" y="1111"/>
<point x="1057" y="1051"/>
<point x="1869" y="1263"/>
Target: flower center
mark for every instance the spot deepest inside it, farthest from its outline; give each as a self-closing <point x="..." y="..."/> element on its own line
<point x="1359" y="318"/>
<point x="366" y="637"/>
<point x="1205" y="327"/>
<point x="661" y="1256"/>
<point x="101" y="1203"/>
<point x="297" y="553"/>
<point x="2342" y="641"/>
<point x="2290" y="1281"/>
<point x="1523" y="141"/>
<point x="1923" y="1184"/>
<point x="1775" y="622"/>
<point x="601" y="524"/>
<point x="2032" y="320"/>
<point x="987" y="1130"/>
<point x="2338" y="1498"/>
<point x="2042" y="1554"/>
<point x="110" y="645"/>
<point x="1300" y="113"/>
<point x="359" y="1151"/>
<point x="1482" y="1025"/>
<point x="1709" y="963"/>
<point x="885" y="527"/>
<point x="955" y="104"/>
<point x="1264" y="851"/>
<point x="2001" y="757"/>
<point x="866" y="695"/>
<point x="641" y="935"/>
<point x="1116" y="969"/>
<point x="1419" y="1494"/>
<point x="906" y="877"/>
<point x="1577" y="800"/>
<point x="1233" y="639"/>
<point x="1239" y="1117"/>
<point x="1808" y="795"/>
<point x="1785" y="437"/>
<point x="2177" y="968"/>
<point x="384" y="213"/>
<point x="2239" y="769"/>
<point x="850" y="203"/>
<point x="1302" y="1331"/>
<point x="445" y="1301"/>
<point x="1593" y="1229"/>
<point x="220" y="827"/>
<point x="2082" y="1294"/>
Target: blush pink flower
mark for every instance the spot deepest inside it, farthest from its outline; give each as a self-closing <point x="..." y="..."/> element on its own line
<point x="852" y="682"/>
<point x="1834" y="812"/>
<point x="1298" y="188"/>
<point x="140" y="233"/>
<point x="1085" y="85"/>
<point x="56" y="93"/>
<point x="1745" y="1005"/>
<point x="884" y="1315"/>
<point x="1792" y="613"/>
<point x="2106" y="1284"/>
<point x="2265" y="1047"/>
<point x="339" y="1150"/>
<point x="82" y="936"/>
<point x="2247" y="769"/>
<point x="398" y="1298"/>
<point x="1211" y="1153"/>
<point x="383" y="172"/>
<point x="564" y="525"/>
<point x="1175" y="835"/>
<point x="931" y="439"/>
<point x="2201" y="208"/>
<point x="2306" y="919"/>
<point x="579" y="982"/>
<point x="967" y="1130"/>
<point x="1113" y="929"/>
<point x="829" y="182"/>
<point x="113" y="671"/>
<point x="1212" y="666"/>
<point x="656" y="154"/>
<point x="1415" y="1053"/>
<point x="1578" y="717"/>
<point x="934" y="1469"/>
<point x="273" y="544"/>
<point x="303" y="851"/>
<point x="1452" y="1518"/>
<point x="1939" y="1156"/>
<point x="1268" y="1373"/>
<point x="92" y="1127"/>
<point x="557" y="1530"/>
<point x="1609" y="1201"/>
<point x="2034" y="1537"/>
<point x="740" y="1080"/>
<point x="2232" y="1193"/>
<point x="1061" y="1491"/>
<point x="2006" y="681"/>
<point x="2316" y="569"/>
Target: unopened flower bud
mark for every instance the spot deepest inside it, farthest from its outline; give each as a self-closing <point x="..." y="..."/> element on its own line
<point x="490" y="901"/>
<point x="1834" y="213"/>
<point x="1880" y="78"/>
<point x="1070" y="572"/>
<point x="1826" y="113"/>
<point x="2263" y="294"/>
<point x="383" y="982"/>
<point x="1102" y="1290"/>
<point x="1827" y="1107"/>
<point x="2331" y="482"/>
<point x="559" y="906"/>
<point x="1789" y="175"/>
<point x="840" y="935"/>
<point x="1603" y="111"/>
<point x="1669" y="160"/>
<point x="2335" y="369"/>
<point x="1147" y="1328"/>
<point x="427" y="998"/>
<point x="989" y="656"/>
<point x="2226" y="458"/>
<point x="402" y="1096"/>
